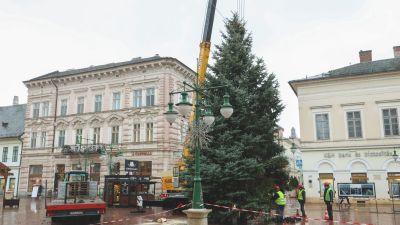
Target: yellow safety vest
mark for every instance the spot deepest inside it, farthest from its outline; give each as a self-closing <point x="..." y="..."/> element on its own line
<point x="328" y="195"/>
<point x="300" y="194"/>
<point x="281" y="199"/>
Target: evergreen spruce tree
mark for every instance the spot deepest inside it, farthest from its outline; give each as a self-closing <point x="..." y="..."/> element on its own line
<point x="243" y="161"/>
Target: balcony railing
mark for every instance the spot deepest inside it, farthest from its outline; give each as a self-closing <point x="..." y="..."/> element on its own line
<point x="82" y="149"/>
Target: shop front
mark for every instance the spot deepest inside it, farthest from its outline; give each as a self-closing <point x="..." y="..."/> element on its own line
<point x="122" y="190"/>
<point x="365" y="168"/>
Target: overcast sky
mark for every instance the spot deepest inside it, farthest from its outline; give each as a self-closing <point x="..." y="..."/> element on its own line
<point x="295" y="38"/>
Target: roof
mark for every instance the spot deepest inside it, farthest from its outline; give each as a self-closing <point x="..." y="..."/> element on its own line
<point x="12" y="120"/>
<point x="57" y="74"/>
<point x="364" y="68"/>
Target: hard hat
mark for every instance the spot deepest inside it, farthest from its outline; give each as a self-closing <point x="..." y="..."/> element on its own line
<point x="300" y="186"/>
<point x="326" y="184"/>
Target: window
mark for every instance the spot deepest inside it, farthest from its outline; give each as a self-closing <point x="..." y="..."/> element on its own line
<point x="5" y="154"/>
<point x="97" y="103"/>
<point x="354" y="124"/>
<point x="390" y="122"/>
<point x="96" y="135"/>
<point x="149" y="132"/>
<point x="114" y="134"/>
<point x="43" y="139"/>
<point x="137" y="98"/>
<point x="95" y="172"/>
<point x="149" y="96"/>
<point x="136" y="132"/>
<point x="61" y="138"/>
<point x="35" y="110"/>
<point x="358" y="178"/>
<point x="33" y="139"/>
<point x="63" y="110"/>
<point x="116" y="102"/>
<point x="45" y="109"/>
<point x="81" y="105"/>
<point x="15" y="154"/>
<point x="78" y="136"/>
<point x="322" y="125"/>
<point x="35" y="175"/>
<point x="12" y="185"/>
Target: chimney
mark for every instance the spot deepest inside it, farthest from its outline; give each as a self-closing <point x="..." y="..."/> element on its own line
<point x="15" y="100"/>
<point x="365" y="56"/>
<point x="396" y="51"/>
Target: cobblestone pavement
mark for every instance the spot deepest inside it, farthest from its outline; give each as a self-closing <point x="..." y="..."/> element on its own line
<point x="32" y="212"/>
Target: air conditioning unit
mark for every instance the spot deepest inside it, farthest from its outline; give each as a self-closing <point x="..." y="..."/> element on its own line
<point x="175" y="182"/>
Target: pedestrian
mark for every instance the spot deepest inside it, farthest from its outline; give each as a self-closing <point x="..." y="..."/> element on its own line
<point x="328" y="199"/>
<point x="301" y="197"/>
<point x="280" y="202"/>
<point x="139" y="203"/>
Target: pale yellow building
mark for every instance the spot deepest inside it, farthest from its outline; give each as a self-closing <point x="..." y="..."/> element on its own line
<point x="349" y="125"/>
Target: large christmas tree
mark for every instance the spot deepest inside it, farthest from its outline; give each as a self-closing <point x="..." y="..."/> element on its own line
<point x="243" y="161"/>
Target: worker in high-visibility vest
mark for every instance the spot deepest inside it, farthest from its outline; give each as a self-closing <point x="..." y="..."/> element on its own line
<point x="328" y="199"/>
<point x="280" y="201"/>
<point x="301" y="197"/>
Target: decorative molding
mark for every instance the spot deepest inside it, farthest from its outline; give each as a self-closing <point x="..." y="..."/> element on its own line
<point x="116" y="85"/>
<point x="66" y="92"/>
<point x="352" y="104"/>
<point x="80" y="90"/>
<point x="321" y="107"/>
<point x="78" y="122"/>
<point x="96" y="120"/>
<point x="388" y="101"/>
<point x="99" y="87"/>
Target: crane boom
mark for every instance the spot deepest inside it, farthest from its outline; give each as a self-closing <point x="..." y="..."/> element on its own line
<point x="205" y="42"/>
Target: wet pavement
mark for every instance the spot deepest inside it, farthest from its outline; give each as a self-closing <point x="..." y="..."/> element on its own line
<point x="32" y="212"/>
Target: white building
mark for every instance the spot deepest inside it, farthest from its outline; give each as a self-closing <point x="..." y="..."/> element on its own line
<point x="120" y="105"/>
<point x="349" y="124"/>
<point x="12" y="120"/>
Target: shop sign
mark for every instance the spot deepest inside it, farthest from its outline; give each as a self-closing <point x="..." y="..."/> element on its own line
<point x="142" y="153"/>
<point x="131" y="165"/>
<point x="368" y="154"/>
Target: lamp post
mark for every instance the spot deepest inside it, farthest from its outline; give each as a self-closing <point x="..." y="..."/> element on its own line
<point x="105" y="153"/>
<point x="185" y="107"/>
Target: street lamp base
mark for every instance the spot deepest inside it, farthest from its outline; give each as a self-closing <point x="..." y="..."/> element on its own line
<point x="197" y="216"/>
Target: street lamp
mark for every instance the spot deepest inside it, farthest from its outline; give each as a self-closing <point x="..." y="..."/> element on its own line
<point x="184" y="107"/>
<point x="395" y="156"/>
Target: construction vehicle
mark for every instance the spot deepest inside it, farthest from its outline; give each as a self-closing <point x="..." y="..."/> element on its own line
<point x="76" y="197"/>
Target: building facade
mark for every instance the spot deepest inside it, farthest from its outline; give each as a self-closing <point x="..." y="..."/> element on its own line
<point x="95" y="118"/>
<point x="12" y="120"/>
<point x="349" y="124"/>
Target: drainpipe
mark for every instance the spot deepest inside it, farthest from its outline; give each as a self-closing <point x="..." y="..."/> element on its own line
<point x="20" y="163"/>
<point x="55" y="116"/>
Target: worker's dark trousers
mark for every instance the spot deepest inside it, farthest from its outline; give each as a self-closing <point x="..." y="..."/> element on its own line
<point x="329" y="208"/>
<point x="303" y="212"/>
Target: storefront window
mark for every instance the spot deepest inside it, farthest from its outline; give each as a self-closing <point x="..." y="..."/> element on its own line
<point x="323" y="178"/>
<point x="394" y="184"/>
<point x="35" y="175"/>
<point x="359" y="178"/>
